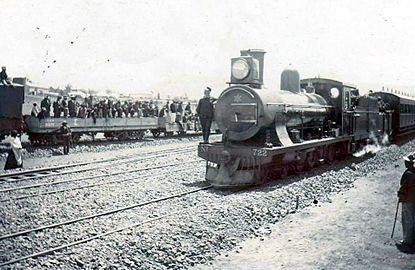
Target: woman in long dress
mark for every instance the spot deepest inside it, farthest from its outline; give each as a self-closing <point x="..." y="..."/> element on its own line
<point x="14" y="158"/>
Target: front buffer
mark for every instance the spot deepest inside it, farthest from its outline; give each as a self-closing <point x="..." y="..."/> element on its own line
<point x="234" y="166"/>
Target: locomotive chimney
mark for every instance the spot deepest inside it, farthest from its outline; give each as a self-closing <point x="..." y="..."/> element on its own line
<point x="290" y="81"/>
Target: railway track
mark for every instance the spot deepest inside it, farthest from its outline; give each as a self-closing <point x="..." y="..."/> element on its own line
<point x="100" y="214"/>
<point x="91" y="177"/>
<point x="54" y="171"/>
<point x="31" y="195"/>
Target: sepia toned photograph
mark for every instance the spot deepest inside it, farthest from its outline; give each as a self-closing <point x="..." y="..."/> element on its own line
<point x="207" y="135"/>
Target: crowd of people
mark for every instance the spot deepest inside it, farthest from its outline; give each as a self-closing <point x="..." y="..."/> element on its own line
<point x="107" y="108"/>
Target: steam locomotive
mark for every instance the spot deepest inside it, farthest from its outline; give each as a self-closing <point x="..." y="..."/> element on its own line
<point x="295" y="128"/>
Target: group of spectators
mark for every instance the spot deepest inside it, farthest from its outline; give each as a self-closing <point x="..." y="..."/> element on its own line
<point x="107" y="108"/>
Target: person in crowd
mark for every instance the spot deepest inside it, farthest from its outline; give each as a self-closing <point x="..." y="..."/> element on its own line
<point x="42" y="114"/>
<point x="188" y="108"/>
<point x="45" y="103"/>
<point x="82" y="111"/>
<point x="163" y="112"/>
<point x="57" y="107"/>
<point x="72" y="107"/>
<point x="14" y="156"/>
<point x="113" y="109"/>
<point x="173" y="107"/>
<point x="100" y="109"/>
<point x="64" y="107"/>
<point x="406" y="196"/>
<point x="105" y="109"/>
<point x="205" y="113"/>
<point x="139" y="110"/>
<point x="110" y="108"/>
<point x="179" y="112"/>
<point x="35" y="110"/>
<point x="125" y="111"/>
<point x="4" y="79"/>
<point x="66" y="133"/>
<point x="167" y="107"/>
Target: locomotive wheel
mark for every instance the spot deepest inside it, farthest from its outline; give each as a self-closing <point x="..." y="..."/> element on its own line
<point x="311" y="159"/>
<point x="300" y="164"/>
<point x="156" y="133"/>
<point x="343" y="151"/>
<point x="330" y="154"/>
<point x="283" y="172"/>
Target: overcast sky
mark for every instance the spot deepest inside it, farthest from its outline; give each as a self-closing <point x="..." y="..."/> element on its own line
<point x="177" y="47"/>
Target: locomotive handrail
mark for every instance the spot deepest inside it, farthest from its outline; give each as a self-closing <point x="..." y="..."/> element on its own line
<point x="301" y="105"/>
<point x="243" y="104"/>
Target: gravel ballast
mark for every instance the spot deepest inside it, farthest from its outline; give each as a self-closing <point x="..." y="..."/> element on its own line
<point x="210" y="222"/>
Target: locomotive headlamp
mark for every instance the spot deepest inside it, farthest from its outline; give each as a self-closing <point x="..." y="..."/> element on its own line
<point x="334" y="92"/>
<point x="240" y="69"/>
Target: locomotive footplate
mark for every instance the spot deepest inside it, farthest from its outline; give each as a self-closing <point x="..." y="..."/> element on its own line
<point x="214" y="152"/>
<point x="236" y="165"/>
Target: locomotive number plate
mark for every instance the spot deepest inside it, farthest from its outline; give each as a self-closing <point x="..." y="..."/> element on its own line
<point x="260" y="152"/>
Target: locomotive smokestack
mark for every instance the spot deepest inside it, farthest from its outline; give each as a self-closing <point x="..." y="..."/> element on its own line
<point x="290" y="81"/>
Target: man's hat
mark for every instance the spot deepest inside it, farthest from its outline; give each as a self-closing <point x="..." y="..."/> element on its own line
<point x="208" y="88"/>
<point x="64" y="122"/>
<point x="409" y="158"/>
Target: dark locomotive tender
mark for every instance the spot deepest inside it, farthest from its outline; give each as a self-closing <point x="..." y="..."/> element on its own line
<point x="295" y="128"/>
<point x="11" y="117"/>
<point x="43" y="131"/>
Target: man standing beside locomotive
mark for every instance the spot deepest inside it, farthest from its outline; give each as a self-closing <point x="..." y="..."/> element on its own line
<point x="205" y="112"/>
<point x="406" y="196"/>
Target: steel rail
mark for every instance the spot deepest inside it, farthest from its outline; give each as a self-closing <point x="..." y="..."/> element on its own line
<point x="89" y="177"/>
<point x="84" y="186"/>
<point x="100" y="214"/>
<point x="82" y="241"/>
<point x="53" y="168"/>
<point x="101" y="166"/>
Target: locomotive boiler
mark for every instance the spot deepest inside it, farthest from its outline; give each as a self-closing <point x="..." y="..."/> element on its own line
<point x="247" y="112"/>
<point x="277" y="131"/>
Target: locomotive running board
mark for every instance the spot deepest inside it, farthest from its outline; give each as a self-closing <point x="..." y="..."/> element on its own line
<point x="281" y="130"/>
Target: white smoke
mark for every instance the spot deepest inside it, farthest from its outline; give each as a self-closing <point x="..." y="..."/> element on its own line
<point x="374" y="146"/>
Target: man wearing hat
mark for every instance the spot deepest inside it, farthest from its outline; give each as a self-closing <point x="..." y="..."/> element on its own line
<point x="66" y="133"/>
<point x="35" y="110"/>
<point x="205" y="111"/>
<point x="406" y="196"/>
<point x="4" y="79"/>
